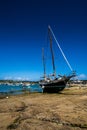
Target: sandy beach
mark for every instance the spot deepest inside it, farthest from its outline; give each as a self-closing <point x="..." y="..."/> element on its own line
<point x="38" y="111"/>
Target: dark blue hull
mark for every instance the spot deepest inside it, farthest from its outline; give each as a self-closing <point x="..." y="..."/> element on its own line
<point x="53" y="87"/>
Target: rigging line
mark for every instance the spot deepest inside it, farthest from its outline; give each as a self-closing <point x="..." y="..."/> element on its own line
<point x="61" y="49"/>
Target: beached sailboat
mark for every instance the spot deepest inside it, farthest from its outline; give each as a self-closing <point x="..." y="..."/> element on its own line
<point x="53" y="83"/>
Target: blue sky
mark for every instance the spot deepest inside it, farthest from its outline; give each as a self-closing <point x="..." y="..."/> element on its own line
<point x="23" y="33"/>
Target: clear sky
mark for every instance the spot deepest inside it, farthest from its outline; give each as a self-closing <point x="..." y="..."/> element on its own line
<point x="23" y="33"/>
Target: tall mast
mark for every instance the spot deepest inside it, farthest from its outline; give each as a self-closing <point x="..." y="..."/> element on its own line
<point x="61" y="50"/>
<point x="44" y="62"/>
<point x="50" y="38"/>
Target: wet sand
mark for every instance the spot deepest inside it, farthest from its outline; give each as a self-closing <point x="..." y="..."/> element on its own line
<point x="38" y="111"/>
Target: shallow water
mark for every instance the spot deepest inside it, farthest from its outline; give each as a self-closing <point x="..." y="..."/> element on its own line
<point x="19" y="89"/>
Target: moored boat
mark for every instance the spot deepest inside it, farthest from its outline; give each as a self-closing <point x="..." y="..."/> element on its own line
<point x="54" y="83"/>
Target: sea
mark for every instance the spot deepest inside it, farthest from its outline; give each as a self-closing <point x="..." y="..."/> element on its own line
<point x="19" y="89"/>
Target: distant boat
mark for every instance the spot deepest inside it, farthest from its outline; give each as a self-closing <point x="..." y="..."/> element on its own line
<point x="53" y="83"/>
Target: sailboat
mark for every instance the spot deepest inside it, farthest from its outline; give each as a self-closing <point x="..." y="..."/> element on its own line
<point x="54" y="83"/>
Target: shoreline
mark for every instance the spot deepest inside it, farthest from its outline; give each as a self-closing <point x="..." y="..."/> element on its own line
<point x="41" y="111"/>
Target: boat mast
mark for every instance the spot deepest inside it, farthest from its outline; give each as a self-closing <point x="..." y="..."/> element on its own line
<point x="44" y="62"/>
<point x="50" y="38"/>
<point x="61" y="50"/>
